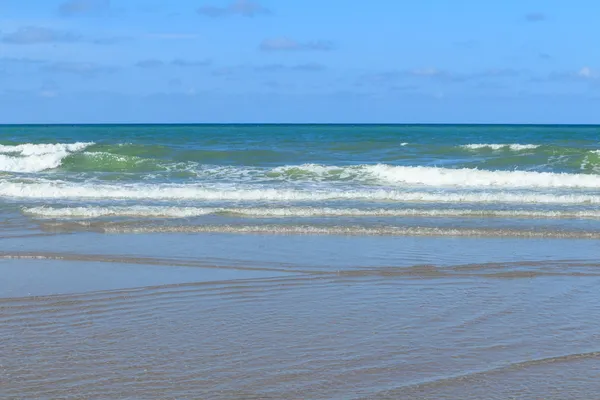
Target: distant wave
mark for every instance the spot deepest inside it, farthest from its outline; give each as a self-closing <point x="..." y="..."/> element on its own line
<point x="36" y="157"/>
<point x="287" y="212"/>
<point x="501" y="146"/>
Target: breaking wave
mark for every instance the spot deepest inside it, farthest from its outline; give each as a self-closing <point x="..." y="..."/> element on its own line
<point x="433" y="176"/>
<point x="288" y="212"/>
<point x="36" y="157"/>
<point x="500" y="146"/>
<point x="63" y="190"/>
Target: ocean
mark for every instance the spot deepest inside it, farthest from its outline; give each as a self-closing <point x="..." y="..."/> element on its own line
<point x="299" y="261"/>
<point x="508" y="181"/>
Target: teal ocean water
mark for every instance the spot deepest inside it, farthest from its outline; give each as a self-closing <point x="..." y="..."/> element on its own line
<point x="465" y="180"/>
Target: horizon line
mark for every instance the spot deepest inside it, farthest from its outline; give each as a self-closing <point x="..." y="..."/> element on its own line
<point x="296" y="123"/>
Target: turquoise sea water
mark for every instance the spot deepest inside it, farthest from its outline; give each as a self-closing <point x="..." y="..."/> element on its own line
<point x="460" y="180"/>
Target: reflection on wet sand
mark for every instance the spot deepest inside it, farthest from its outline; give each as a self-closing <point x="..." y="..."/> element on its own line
<point x="496" y="330"/>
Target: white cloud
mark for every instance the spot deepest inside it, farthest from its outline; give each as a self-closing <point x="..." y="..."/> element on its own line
<point x="178" y="62"/>
<point x="535" y="17"/>
<point x="426" y="72"/>
<point x="80" y="68"/>
<point x="587" y="73"/>
<point x="307" y="67"/>
<point x="172" y="36"/>
<point x="244" y="8"/>
<point x="287" y="44"/>
<point x="20" y="61"/>
<point x="79" y="7"/>
<point x="48" y="93"/>
<point x="39" y="35"/>
<point x="190" y="63"/>
<point x="388" y="78"/>
<point x="110" y="40"/>
<point x="149" y="64"/>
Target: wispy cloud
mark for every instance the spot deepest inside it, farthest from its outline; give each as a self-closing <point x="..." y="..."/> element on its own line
<point x="31" y="35"/>
<point x="244" y="8"/>
<point x="12" y="64"/>
<point x="82" y="7"/>
<point x="246" y="70"/>
<point x="39" y="35"/>
<point x="584" y="74"/>
<point x="178" y="62"/>
<point x="404" y="88"/>
<point x="287" y="44"/>
<point x="308" y="67"/>
<point x="434" y="74"/>
<point x="588" y="73"/>
<point x="224" y="71"/>
<point x="450" y="76"/>
<point x="48" y="94"/>
<point x="48" y="90"/>
<point x="20" y="60"/>
<point x="111" y="40"/>
<point x="172" y="36"/>
<point x="427" y="72"/>
<point x="175" y="82"/>
<point x="149" y="64"/>
<point x="191" y="63"/>
<point x="80" y="68"/>
<point x="535" y="17"/>
<point x="274" y="85"/>
<point x="466" y="44"/>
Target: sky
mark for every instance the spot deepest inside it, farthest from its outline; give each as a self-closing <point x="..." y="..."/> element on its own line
<point x="299" y="61"/>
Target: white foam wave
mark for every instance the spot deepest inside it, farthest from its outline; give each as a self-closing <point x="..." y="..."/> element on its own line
<point x="391" y="175"/>
<point x="53" y="190"/>
<point x="116" y="211"/>
<point x="500" y="146"/>
<point x="29" y="149"/>
<point x="264" y="212"/>
<point x="467" y="177"/>
<point x="345" y="230"/>
<point x="36" y="157"/>
<point x="440" y="177"/>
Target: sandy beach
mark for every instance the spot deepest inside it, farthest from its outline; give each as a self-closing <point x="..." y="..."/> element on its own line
<point x="428" y="319"/>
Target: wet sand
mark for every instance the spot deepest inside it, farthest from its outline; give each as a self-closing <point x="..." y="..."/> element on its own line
<point x="187" y="317"/>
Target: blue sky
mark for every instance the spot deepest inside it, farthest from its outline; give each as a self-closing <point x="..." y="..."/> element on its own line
<point x="430" y="61"/>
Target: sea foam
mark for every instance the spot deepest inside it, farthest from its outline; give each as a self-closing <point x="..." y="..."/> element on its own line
<point x="91" y="212"/>
<point x="500" y="146"/>
<point x="442" y="177"/>
<point x="339" y="230"/>
<point x="163" y="192"/>
<point x="36" y="157"/>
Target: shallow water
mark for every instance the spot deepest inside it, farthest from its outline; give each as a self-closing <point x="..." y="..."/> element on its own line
<point x="174" y="316"/>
